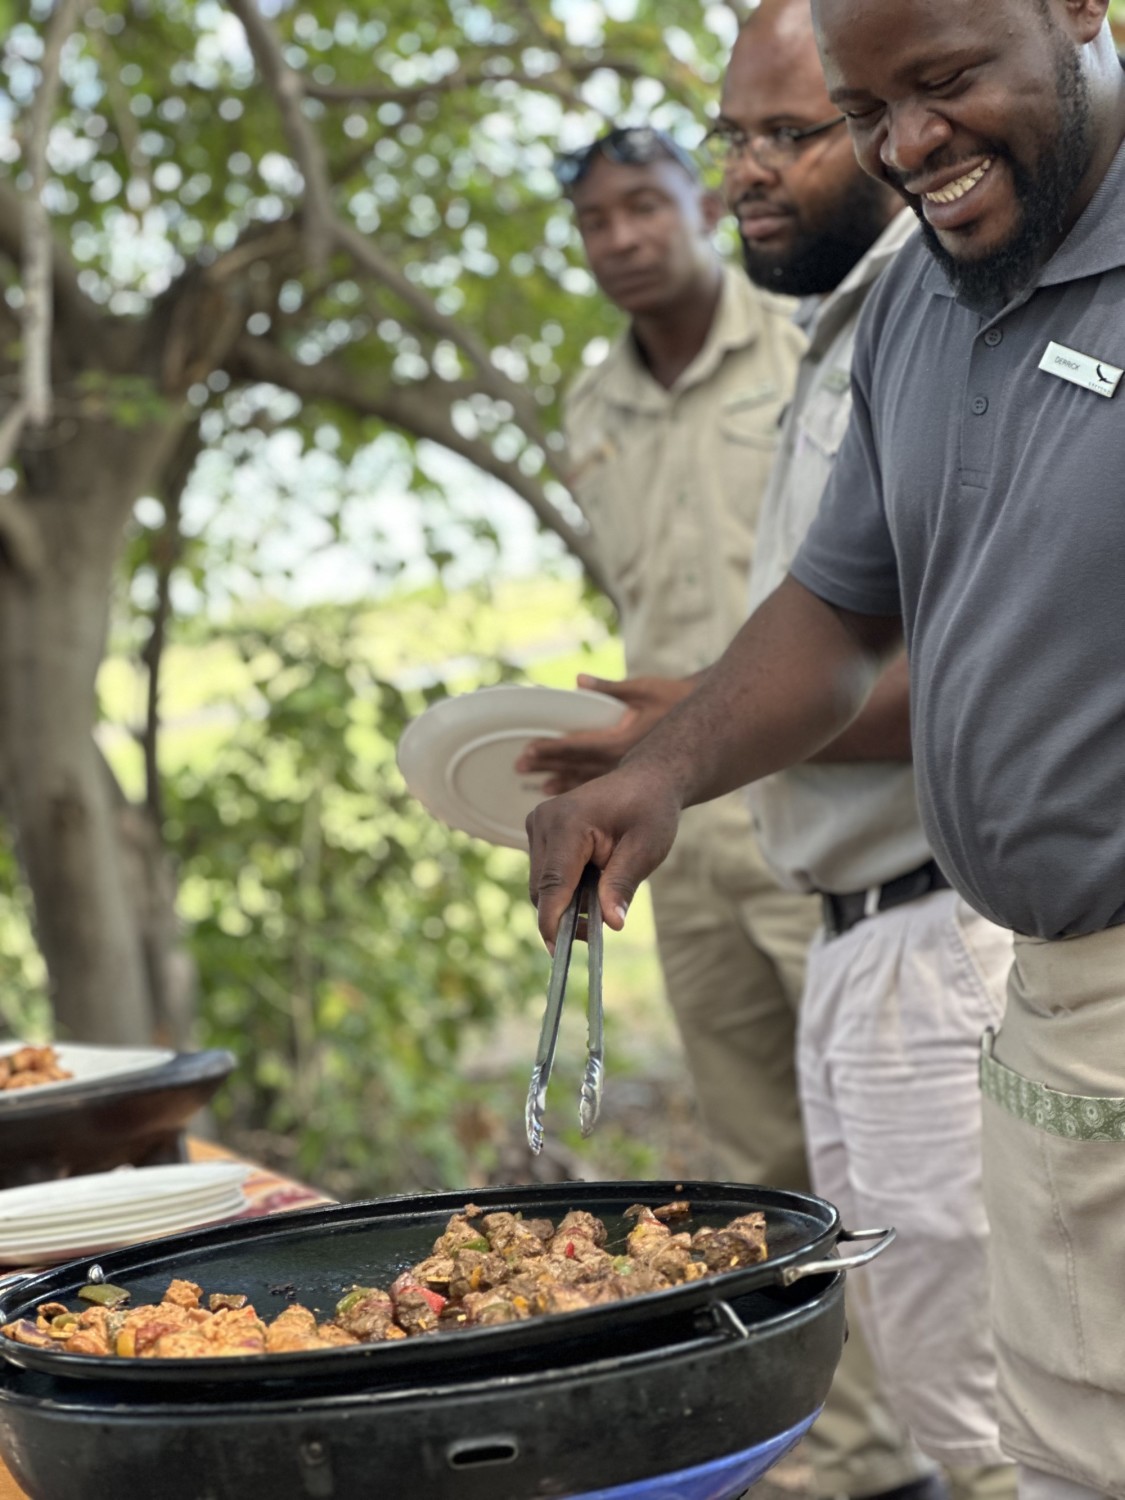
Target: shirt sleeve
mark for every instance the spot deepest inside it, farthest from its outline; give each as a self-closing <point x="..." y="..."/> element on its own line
<point x="848" y="557"/>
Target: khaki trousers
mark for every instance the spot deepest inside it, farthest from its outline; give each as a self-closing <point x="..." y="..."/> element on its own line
<point x="889" y="1051"/>
<point x="733" y="954"/>
<point x="1054" y="1159"/>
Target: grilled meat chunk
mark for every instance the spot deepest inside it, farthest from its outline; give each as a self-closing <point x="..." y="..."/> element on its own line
<point x="741" y="1243"/>
<point x="460" y="1233"/>
<point x="368" y="1314"/>
<point x="296" y="1329"/>
<point x="476" y="1271"/>
<point x="436" y="1272"/>
<point x="581" y="1225"/>
<point x="674" y="1213"/>
<point x="509" y="1236"/>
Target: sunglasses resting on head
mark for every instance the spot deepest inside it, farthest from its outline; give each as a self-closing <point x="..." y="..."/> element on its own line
<point x="627" y="145"/>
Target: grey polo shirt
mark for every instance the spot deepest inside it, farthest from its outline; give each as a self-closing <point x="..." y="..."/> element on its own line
<point x="984" y="498"/>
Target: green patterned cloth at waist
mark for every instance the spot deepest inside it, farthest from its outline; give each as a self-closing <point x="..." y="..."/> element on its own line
<point x="1078" y="1117"/>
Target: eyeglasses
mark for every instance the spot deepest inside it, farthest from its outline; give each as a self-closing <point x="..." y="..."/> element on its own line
<point x="628" y="145"/>
<point x="773" y="152"/>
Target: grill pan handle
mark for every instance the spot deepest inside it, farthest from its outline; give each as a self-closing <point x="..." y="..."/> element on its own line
<point x="845" y="1263"/>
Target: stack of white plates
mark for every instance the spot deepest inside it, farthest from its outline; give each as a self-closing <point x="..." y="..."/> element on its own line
<point x="55" y="1221"/>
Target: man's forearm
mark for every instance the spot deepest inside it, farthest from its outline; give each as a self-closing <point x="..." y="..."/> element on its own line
<point x="791" y="681"/>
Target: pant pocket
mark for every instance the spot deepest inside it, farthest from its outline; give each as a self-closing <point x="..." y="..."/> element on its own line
<point x="1054" y="1175"/>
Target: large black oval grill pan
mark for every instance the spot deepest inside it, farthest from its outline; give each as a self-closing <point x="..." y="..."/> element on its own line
<point x="647" y="1402"/>
<point x="315" y="1255"/>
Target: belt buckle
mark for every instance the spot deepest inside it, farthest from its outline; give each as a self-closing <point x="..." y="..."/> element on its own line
<point x="871" y="898"/>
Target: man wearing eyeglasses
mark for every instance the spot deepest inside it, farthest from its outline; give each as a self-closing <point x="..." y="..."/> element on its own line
<point x="671" y="440"/>
<point x="904" y="977"/>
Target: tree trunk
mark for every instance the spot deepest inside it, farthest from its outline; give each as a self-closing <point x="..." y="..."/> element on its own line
<point x="61" y="803"/>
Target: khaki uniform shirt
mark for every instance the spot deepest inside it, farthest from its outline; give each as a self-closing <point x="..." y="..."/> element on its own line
<point x="829" y="827"/>
<point x="670" y="483"/>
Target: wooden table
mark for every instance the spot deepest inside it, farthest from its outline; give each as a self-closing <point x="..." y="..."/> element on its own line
<point x="268" y="1193"/>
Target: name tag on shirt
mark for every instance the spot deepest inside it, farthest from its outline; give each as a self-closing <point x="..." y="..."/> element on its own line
<point x="1080" y="369"/>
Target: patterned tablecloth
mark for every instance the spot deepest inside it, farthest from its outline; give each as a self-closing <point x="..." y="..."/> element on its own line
<point x="268" y="1193"/>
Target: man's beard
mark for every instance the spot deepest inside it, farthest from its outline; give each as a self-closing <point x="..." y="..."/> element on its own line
<point x="822" y="257"/>
<point x="1043" y="194"/>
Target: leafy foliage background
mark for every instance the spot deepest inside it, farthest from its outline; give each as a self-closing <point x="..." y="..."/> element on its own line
<point x="345" y="945"/>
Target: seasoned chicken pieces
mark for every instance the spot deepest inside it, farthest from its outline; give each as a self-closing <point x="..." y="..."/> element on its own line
<point x="297" y="1328"/>
<point x="28" y="1066"/>
<point x="484" y="1270"/>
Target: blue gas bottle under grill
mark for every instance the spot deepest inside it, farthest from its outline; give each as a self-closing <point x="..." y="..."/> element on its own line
<point x="724" y="1479"/>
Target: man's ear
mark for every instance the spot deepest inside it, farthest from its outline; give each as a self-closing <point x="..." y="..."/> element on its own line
<point x="1084" y="19"/>
<point x="713" y="208"/>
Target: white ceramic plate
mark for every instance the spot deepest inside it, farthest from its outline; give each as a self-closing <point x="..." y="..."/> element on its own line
<point x="89" y="1064"/>
<point x="136" y="1225"/>
<point x="38" y="1225"/>
<point x="80" y="1242"/>
<point x="102" y="1195"/>
<point x="139" y="1226"/>
<point x="458" y="758"/>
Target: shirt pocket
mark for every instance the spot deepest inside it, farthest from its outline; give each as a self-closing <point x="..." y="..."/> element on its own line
<point x="749" y="432"/>
<point x="825" y="417"/>
<point x="750" y="418"/>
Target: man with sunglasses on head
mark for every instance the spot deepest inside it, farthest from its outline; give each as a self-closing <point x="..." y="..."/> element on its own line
<point x="904" y="977"/>
<point x="671" y="440"/>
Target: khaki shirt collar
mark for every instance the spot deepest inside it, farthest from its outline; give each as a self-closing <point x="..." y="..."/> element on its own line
<point x="737" y="324"/>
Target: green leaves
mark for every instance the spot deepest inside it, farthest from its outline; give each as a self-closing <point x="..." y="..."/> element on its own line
<point x="345" y="941"/>
<point x="438" y="123"/>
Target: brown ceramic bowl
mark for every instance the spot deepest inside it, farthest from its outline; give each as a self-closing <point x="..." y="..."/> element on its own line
<point x="136" y="1119"/>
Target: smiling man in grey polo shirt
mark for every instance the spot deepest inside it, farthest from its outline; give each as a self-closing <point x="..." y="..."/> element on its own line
<point x="904" y="975"/>
<point x="975" y="512"/>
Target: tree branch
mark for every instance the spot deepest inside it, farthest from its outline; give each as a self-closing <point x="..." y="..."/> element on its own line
<point x="288" y="89"/>
<point x="70" y="299"/>
<point x="468" y="78"/>
<point x="124" y="121"/>
<point x="327" y="228"/>
<point x="258" y="242"/>
<point x="442" y="326"/>
<point x="412" y="409"/>
<point x="38" y="307"/>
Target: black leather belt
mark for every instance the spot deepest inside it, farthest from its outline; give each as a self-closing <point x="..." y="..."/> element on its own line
<point x="843" y="912"/>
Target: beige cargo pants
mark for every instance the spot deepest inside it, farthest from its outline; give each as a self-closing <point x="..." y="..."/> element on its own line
<point x="1054" y="1182"/>
<point x="732" y="947"/>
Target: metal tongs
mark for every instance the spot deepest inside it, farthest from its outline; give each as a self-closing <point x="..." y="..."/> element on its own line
<point x="590" y="1102"/>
